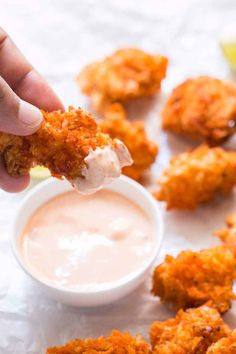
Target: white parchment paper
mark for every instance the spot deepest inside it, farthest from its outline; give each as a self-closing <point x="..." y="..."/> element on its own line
<point x="59" y="37"/>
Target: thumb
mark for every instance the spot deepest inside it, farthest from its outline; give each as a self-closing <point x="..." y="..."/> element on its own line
<point x="17" y="116"/>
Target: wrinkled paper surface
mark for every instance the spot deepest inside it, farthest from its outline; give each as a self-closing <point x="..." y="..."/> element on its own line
<point x="59" y="38"/>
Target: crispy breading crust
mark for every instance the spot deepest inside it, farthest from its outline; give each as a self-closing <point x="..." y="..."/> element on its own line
<point x="143" y="151"/>
<point x="193" y="278"/>
<point x="61" y="144"/>
<point x="203" y="108"/>
<point x="228" y="236"/>
<point x="116" y="343"/>
<point x="115" y="111"/>
<point x="126" y="74"/>
<point x="195" y="176"/>
<point x="224" y="345"/>
<point x="190" y="332"/>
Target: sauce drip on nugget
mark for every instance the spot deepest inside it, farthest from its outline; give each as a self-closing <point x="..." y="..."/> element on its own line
<point x="70" y="145"/>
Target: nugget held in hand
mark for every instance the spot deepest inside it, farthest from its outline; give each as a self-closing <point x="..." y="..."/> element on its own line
<point x="194" y="177"/>
<point x="143" y="151"/>
<point x="70" y="145"/>
<point x="203" y="108"/>
<point x="116" y="343"/>
<point x="193" y="278"/>
<point x="190" y="332"/>
<point x="228" y="236"/>
<point x="126" y="74"/>
<point x="225" y="345"/>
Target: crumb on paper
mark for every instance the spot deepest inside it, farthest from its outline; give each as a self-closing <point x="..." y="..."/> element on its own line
<point x="228" y="235"/>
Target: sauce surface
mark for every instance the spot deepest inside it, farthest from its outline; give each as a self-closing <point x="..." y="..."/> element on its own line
<point x="103" y="165"/>
<point x="84" y="242"/>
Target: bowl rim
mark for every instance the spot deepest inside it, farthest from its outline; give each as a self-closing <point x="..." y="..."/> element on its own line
<point x="115" y="285"/>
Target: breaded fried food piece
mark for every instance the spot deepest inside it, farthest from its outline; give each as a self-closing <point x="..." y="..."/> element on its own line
<point x="203" y="108"/>
<point x="225" y="345"/>
<point x="143" y="151"/>
<point x="116" y="343"/>
<point x="193" y="278"/>
<point x="115" y="111"/>
<point x="190" y="332"/>
<point x="195" y="176"/>
<point x="228" y="236"/>
<point x="62" y="144"/>
<point x="126" y="74"/>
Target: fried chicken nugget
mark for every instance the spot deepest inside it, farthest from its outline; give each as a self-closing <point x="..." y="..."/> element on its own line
<point x="190" y="332"/>
<point x="115" y="111"/>
<point x="228" y="236"/>
<point x="224" y="346"/>
<point x="116" y="343"/>
<point x="63" y="144"/>
<point x="143" y="151"/>
<point x="195" y="176"/>
<point x="203" y="108"/>
<point x="193" y="278"/>
<point x="126" y="74"/>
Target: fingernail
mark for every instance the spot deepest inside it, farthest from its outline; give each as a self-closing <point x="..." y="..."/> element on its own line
<point x="30" y="115"/>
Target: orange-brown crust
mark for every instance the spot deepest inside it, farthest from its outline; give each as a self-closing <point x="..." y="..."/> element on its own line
<point x="193" y="278"/>
<point x="143" y="151"/>
<point x="61" y="144"/>
<point x="195" y="176"/>
<point x="116" y="343"/>
<point x="126" y="74"/>
<point x="228" y="236"/>
<point x="203" y="108"/>
<point x="190" y="332"/>
<point x="224" y="346"/>
<point x="115" y="111"/>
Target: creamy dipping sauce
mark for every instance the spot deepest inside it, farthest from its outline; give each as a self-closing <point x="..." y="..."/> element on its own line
<point x="102" y="167"/>
<point x="87" y="242"/>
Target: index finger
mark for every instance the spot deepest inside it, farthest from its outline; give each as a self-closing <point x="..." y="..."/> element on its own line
<point x="24" y="80"/>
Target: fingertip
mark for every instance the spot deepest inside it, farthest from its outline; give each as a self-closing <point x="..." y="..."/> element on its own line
<point x="17" y="184"/>
<point x="12" y="184"/>
<point x="17" y="117"/>
<point x="30" y="117"/>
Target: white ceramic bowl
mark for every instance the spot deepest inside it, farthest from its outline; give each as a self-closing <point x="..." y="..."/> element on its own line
<point x="51" y="188"/>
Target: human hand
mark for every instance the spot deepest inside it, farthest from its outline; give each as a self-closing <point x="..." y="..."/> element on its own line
<point x="22" y="92"/>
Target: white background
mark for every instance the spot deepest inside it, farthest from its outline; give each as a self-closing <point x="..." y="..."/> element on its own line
<point x="59" y="37"/>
